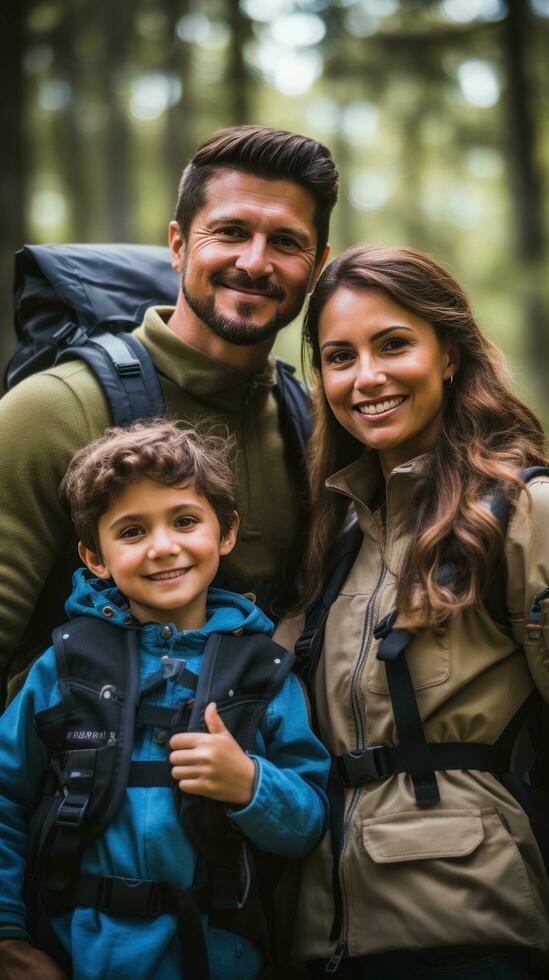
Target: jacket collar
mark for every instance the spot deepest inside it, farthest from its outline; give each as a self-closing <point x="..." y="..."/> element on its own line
<point x="362" y="480"/>
<point x="200" y="376"/>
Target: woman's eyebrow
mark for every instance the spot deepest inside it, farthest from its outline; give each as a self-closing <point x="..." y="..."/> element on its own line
<point x="395" y="326"/>
<point x="375" y="336"/>
<point x="336" y="343"/>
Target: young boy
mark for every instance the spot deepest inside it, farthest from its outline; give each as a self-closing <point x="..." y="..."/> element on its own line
<point x="153" y="816"/>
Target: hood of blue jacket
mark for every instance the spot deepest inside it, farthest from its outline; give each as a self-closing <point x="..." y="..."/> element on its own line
<point x="225" y="611"/>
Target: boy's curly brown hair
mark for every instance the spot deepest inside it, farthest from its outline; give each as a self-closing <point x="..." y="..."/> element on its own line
<point x="166" y="452"/>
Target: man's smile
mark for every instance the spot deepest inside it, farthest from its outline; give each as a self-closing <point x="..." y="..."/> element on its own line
<point x="250" y="288"/>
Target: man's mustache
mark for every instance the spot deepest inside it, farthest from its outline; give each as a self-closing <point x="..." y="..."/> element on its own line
<point x="237" y="280"/>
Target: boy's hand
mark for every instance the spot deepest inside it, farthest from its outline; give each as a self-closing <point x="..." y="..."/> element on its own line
<point x="19" y="960"/>
<point x="213" y="764"/>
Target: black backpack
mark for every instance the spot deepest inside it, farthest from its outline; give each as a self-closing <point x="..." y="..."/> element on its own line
<point x="83" y="301"/>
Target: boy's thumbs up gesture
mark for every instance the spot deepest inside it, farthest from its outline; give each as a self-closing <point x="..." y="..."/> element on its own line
<point x="212" y="764"/>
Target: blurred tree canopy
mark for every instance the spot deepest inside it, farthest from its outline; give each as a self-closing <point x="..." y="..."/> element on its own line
<point x="436" y="112"/>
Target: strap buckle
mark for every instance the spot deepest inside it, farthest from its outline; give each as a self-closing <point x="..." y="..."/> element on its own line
<point x="71" y="811"/>
<point x="128" y="368"/>
<point x="364" y="765"/>
<point x="385" y="625"/>
<point x="70" y="335"/>
<point x="129" y="896"/>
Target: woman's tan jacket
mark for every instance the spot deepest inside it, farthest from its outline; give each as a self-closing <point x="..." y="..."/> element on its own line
<point x="467" y="871"/>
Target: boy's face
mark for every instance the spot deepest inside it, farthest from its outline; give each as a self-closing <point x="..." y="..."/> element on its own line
<point x="161" y="545"/>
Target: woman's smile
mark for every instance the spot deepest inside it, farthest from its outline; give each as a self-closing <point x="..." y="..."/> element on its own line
<point x="380" y="408"/>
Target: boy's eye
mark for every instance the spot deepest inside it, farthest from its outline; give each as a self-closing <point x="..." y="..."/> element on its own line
<point x="131" y="532"/>
<point x="184" y="523"/>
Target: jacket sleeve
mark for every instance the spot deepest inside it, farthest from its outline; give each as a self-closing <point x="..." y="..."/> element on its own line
<point x="288" y="812"/>
<point x="23" y="763"/>
<point x="527" y="556"/>
<point x="42" y="423"/>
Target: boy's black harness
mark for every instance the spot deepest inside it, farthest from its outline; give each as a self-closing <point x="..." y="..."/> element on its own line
<point x="90" y="735"/>
<point x="413" y="754"/>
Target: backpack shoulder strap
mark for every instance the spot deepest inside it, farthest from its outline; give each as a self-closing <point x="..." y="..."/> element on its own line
<point x="494" y="597"/>
<point x="241" y="674"/>
<point x="294" y="406"/>
<point x="126" y="373"/>
<point x="309" y="645"/>
<point x="91" y="733"/>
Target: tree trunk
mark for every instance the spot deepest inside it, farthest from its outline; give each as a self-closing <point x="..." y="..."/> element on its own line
<point x="12" y="162"/>
<point x="239" y="82"/>
<point x="526" y="191"/>
<point x="71" y="152"/>
<point x="179" y="140"/>
<point x="116" y="23"/>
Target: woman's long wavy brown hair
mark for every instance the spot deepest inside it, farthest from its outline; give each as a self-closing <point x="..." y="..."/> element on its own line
<point x="487" y="435"/>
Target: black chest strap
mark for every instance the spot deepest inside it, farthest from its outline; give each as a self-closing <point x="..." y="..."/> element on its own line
<point x="413" y="746"/>
<point x="413" y="754"/>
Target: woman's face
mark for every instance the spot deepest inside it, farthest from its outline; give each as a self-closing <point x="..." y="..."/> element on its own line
<point x="383" y="371"/>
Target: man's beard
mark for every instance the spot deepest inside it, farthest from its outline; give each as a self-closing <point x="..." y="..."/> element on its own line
<point x="240" y="329"/>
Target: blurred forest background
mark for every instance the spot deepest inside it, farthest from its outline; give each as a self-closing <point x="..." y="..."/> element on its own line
<point x="436" y="113"/>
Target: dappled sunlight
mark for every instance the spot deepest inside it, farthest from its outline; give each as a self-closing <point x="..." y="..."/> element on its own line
<point x="479" y="83"/>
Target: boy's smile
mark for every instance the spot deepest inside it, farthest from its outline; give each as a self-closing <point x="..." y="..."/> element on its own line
<point x="161" y="545"/>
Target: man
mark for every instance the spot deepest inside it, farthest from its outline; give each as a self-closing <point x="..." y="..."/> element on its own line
<point x="249" y="241"/>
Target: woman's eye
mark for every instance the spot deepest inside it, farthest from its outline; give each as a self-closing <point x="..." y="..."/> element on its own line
<point x="340" y="357"/>
<point x="396" y="343"/>
<point x="131" y="532"/>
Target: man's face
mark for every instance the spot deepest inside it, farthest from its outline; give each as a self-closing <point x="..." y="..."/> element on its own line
<point x="250" y="257"/>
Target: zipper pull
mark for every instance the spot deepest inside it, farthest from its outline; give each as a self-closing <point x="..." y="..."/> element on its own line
<point x="535" y="616"/>
<point x="333" y="964"/>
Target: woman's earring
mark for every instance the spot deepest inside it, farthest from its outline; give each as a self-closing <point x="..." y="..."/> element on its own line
<point x="450" y="380"/>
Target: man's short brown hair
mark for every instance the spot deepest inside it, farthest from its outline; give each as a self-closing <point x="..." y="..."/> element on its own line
<point x="271" y="153"/>
<point x="157" y="450"/>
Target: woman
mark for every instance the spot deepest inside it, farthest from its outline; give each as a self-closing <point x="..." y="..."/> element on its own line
<point x="432" y="870"/>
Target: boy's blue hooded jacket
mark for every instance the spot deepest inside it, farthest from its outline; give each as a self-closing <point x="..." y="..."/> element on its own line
<point x="286" y="815"/>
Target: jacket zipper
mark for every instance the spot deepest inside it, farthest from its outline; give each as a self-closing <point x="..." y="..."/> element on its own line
<point x="341" y="948"/>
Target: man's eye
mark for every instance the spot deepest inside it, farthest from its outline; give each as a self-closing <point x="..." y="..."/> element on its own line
<point x="283" y="241"/>
<point x="231" y="231"/>
<point x="184" y="523"/>
<point x="131" y="532"/>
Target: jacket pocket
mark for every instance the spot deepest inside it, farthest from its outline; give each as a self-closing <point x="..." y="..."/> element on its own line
<point x="418" y="837"/>
<point x="429" y="663"/>
<point x="447" y="877"/>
